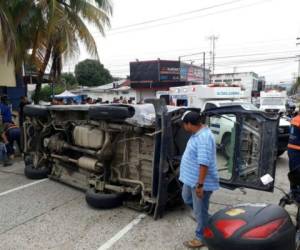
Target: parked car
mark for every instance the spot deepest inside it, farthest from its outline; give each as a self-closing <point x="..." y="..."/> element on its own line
<point x="130" y="154"/>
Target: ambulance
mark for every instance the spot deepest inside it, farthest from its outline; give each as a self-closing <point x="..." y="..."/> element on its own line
<point x="199" y="96"/>
<point x="273" y="101"/>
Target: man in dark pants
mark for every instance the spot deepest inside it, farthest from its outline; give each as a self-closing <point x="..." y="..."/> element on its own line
<point x="294" y="152"/>
<point x="11" y="134"/>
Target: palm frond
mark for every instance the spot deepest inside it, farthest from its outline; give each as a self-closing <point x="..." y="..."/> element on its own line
<point x="82" y="32"/>
<point x="7" y="32"/>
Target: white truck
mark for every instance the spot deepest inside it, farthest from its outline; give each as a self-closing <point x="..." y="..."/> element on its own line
<point x="273" y="101"/>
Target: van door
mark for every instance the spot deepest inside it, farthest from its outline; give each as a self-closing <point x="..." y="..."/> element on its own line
<point x="249" y="157"/>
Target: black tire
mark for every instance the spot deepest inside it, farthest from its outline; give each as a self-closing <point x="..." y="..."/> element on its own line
<point x="36" y="173"/>
<point x="111" y="112"/>
<point x="103" y="200"/>
<point x="226" y="145"/>
<point x="280" y="152"/>
<point x="35" y="111"/>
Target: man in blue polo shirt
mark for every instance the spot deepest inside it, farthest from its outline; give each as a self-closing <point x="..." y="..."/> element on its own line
<point x="198" y="172"/>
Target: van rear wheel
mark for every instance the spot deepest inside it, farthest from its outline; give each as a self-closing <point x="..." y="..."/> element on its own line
<point x="103" y="200"/>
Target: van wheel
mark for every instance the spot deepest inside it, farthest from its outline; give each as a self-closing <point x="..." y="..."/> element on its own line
<point x="36" y="173"/>
<point x="226" y="145"/>
<point x="103" y="200"/>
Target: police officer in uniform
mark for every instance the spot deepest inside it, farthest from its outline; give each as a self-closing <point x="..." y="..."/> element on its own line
<point x="294" y="153"/>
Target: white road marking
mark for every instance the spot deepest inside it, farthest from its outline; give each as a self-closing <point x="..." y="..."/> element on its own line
<point x="22" y="187"/>
<point x="108" y="244"/>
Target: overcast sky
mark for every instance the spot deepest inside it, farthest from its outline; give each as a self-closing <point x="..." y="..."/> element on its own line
<point x="253" y="35"/>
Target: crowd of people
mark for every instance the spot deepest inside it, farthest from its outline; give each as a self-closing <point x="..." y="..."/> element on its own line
<point x="9" y="130"/>
<point x="89" y="100"/>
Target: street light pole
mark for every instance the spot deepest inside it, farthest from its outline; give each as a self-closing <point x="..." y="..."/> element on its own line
<point x="298" y="38"/>
<point x="200" y="53"/>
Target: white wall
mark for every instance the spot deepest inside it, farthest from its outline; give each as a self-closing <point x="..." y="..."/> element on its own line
<point x="145" y="94"/>
<point x="7" y="73"/>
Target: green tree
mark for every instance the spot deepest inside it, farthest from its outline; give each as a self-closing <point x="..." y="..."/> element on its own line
<point x="18" y="20"/>
<point x="62" y="30"/>
<point x="7" y="31"/>
<point x="68" y="78"/>
<point x="46" y="92"/>
<point x="92" y="73"/>
<point x="51" y="29"/>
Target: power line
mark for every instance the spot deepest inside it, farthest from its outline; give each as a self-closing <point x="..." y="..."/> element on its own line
<point x="261" y="63"/>
<point x="258" y="60"/>
<point x="247" y="55"/>
<point x="222" y="57"/>
<point x="161" y="53"/>
<point x="187" y="19"/>
<point x="265" y="64"/>
<point x="258" y="54"/>
<point x="176" y="15"/>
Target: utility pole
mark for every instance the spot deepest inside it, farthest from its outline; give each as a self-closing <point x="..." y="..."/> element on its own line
<point x="298" y="38"/>
<point x="213" y="40"/>
<point x="298" y="75"/>
<point x="203" y="68"/>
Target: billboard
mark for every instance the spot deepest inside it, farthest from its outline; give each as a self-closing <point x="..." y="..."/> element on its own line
<point x="144" y="71"/>
<point x="192" y="73"/>
<point x="166" y="72"/>
<point x="169" y="71"/>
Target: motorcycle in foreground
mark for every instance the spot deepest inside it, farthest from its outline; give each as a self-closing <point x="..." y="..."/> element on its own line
<point x="256" y="226"/>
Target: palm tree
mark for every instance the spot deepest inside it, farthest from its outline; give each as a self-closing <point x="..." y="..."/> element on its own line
<point x="51" y="29"/>
<point x="61" y="29"/>
<point x="16" y="26"/>
<point x="7" y="32"/>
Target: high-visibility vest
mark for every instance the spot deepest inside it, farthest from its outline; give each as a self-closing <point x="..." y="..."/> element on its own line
<point x="294" y="140"/>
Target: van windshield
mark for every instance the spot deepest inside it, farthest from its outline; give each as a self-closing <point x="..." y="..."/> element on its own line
<point x="245" y="105"/>
<point x="278" y="101"/>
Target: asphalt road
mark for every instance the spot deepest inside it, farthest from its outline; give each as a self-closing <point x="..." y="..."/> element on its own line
<point x="50" y="215"/>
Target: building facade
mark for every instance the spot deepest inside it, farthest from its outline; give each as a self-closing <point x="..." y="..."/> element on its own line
<point x="149" y="77"/>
